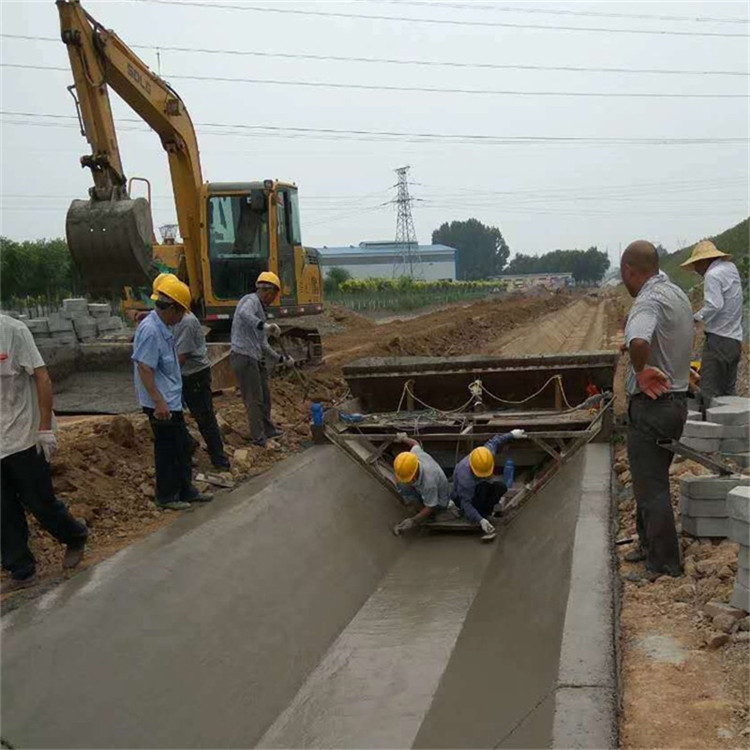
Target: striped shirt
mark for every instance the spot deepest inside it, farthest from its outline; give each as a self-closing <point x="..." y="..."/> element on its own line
<point x="661" y="315"/>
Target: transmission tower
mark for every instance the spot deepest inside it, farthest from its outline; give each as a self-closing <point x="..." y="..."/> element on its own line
<point x="406" y="236"/>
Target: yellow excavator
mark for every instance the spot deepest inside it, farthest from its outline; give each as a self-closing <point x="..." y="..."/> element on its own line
<point x="231" y="231"/>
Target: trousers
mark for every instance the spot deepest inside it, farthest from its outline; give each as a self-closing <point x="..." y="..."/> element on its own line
<point x="196" y="392"/>
<point x="719" y="361"/>
<point x="649" y="421"/>
<point x="27" y="486"/>
<point x="487" y="495"/>
<point x="252" y="378"/>
<point x="172" y="460"/>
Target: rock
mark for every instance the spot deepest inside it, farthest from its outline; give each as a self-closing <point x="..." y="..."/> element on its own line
<point x="744" y="624"/>
<point x="690" y="569"/>
<point x="242" y="458"/>
<point x="705" y="567"/>
<point x="147" y="490"/>
<point x="713" y="609"/>
<point x="708" y="586"/>
<point x="121" y="432"/>
<point x="716" y="640"/>
<point x="725" y="573"/>
<point x="625" y="477"/>
<point x="621" y="466"/>
<point x="693" y="549"/>
<point x="684" y="593"/>
<point x="723" y="623"/>
<point x="224" y="426"/>
<point x="742" y="636"/>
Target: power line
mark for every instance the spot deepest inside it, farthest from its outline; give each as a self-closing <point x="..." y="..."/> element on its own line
<point x="557" y="12"/>
<point x="398" y="135"/>
<point x="442" y="22"/>
<point x="416" y="89"/>
<point x="397" y="61"/>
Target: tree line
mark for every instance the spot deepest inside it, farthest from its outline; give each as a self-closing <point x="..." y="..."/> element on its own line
<point x="587" y="266"/>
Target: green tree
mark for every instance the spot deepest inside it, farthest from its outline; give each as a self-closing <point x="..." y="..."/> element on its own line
<point x="482" y="251"/>
<point x="587" y="266"/>
<point x="335" y="277"/>
<point x="35" y="268"/>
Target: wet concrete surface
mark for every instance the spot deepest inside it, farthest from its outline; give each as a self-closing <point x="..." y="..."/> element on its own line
<point x="96" y="392"/>
<point x="288" y="615"/>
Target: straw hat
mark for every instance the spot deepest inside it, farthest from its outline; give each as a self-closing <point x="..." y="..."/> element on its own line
<point x="704" y="251"/>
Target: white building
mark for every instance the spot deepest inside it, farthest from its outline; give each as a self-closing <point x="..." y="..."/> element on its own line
<point x="385" y="259"/>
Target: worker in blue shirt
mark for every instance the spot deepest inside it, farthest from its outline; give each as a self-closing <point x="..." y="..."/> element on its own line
<point x="158" y="384"/>
<point x="473" y="492"/>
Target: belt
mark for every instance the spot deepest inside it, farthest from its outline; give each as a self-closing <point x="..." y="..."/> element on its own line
<point x="672" y="396"/>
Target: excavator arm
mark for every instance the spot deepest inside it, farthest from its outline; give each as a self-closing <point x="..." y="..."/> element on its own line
<point x="110" y="235"/>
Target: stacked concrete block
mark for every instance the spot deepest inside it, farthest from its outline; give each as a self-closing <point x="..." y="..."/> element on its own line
<point x="39" y="328"/>
<point x="733" y="413"/>
<point x="738" y="507"/>
<point x="85" y="328"/>
<point x="61" y="330"/>
<point x="74" y="307"/>
<point x="703" y="503"/>
<point x="702" y="436"/>
<point x="99" y="310"/>
<point x="694" y="416"/>
<point x="109" y="325"/>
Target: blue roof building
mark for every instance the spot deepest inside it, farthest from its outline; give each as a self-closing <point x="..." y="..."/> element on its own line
<point x="386" y="259"/>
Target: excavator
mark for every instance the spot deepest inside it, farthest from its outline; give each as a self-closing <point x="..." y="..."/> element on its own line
<point x="230" y="231"/>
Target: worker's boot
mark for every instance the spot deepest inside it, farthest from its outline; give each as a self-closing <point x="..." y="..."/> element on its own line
<point x="73" y="555"/>
<point x="172" y="505"/>
<point x="194" y="496"/>
<point x="637" y="554"/>
<point x="16" y="584"/>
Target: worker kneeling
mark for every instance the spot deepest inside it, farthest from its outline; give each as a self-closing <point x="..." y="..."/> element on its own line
<point x="475" y="491"/>
<point x="420" y="479"/>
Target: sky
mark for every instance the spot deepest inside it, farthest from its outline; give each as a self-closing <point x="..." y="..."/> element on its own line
<point x="487" y="144"/>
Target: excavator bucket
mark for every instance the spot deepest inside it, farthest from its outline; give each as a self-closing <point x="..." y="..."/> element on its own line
<point x="110" y="242"/>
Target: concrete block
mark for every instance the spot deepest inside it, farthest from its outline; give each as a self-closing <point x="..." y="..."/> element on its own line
<point x="76" y="305"/>
<point x="730" y="415"/>
<point x="105" y="325"/>
<point x="64" y="338"/>
<point x="38" y="325"/>
<point x="694" y="416"/>
<point x="738" y="503"/>
<point x="743" y="577"/>
<point x="740" y="597"/>
<point x="735" y="431"/>
<point x="734" y="445"/>
<point x="58" y="324"/>
<point x="708" y="527"/>
<point x="739" y="532"/>
<point x="85" y="326"/>
<point x="23" y="317"/>
<point x="711" y="486"/>
<point x="690" y="506"/>
<point x="99" y="310"/>
<point x="702" y="430"/>
<point x="704" y="445"/>
<point x="743" y="556"/>
<point x="736" y="401"/>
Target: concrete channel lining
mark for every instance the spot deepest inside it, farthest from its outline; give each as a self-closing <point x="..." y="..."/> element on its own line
<point x="287" y="614"/>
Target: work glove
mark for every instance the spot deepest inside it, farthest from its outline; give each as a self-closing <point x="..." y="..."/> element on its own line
<point x="272" y="329"/>
<point x="518" y="434"/>
<point x="405" y="525"/>
<point x="487" y="527"/>
<point x="46" y="442"/>
<point x="401" y="436"/>
<point x="653" y="382"/>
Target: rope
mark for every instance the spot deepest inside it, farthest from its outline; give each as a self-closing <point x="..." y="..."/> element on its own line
<point x="533" y="395"/>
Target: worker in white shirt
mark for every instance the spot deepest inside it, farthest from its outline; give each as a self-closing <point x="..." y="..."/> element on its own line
<point x="721" y="316"/>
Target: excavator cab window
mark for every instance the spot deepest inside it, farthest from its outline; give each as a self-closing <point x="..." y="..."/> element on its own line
<point x="237" y="242"/>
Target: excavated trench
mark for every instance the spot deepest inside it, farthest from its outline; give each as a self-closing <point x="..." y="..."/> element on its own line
<point x="286" y="614"/>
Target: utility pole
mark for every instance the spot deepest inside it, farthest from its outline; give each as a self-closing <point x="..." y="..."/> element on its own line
<point x="406" y="236"/>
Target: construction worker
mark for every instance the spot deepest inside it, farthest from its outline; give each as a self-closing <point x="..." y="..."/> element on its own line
<point x="250" y="353"/>
<point x="192" y="353"/>
<point x="420" y="479"/>
<point x="659" y="337"/>
<point x="721" y="316"/>
<point x="158" y="383"/>
<point x="27" y="445"/>
<point x="474" y="490"/>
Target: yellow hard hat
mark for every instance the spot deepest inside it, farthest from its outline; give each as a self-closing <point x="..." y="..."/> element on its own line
<point x="482" y="462"/>
<point x="158" y="282"/>
<point x="704" y="251"/>
<point x="406" y="467"/>
<point x="176" y="290"/>
<point x="696" y="365"/>
<point x="269" y="277"/>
